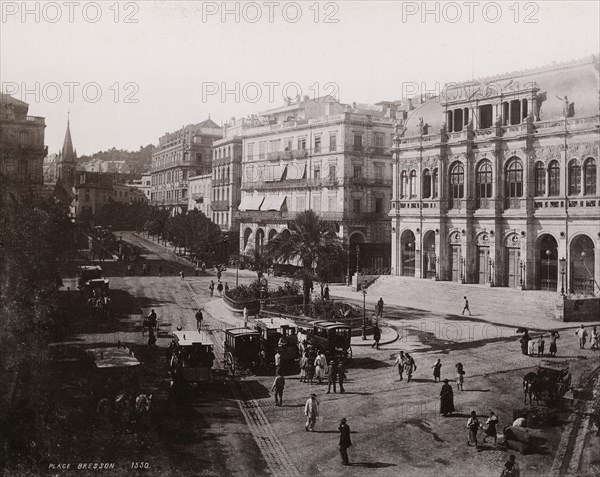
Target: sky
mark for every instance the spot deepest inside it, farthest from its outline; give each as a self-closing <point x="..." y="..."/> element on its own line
<point x="127" y="72"/>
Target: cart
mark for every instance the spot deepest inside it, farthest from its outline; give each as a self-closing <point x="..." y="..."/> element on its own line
<point x="241" y="349"/>
<point x="279" y="334"/>
<point x="332" y="337"/>
<point x="192" y="357"/>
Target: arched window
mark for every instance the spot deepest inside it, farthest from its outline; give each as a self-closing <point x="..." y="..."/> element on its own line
<point x="434" y="184"/>
<point x="413" y="184"/>
<point x="457" y="181"/>
<point x="554" y="179"/>
<point x="589" y="177"/>
<point x="514" y="179"/>
<point x="426" y="186"/>
<point x="540" y="179"/>
<point x="404" y="185"/>
<point x="484" y="180"/>
<point x="574" y="177"/>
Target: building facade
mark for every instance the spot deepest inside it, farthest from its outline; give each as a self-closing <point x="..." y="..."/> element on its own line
<point x="495" y="182"/>
<point x="200" y="192"/>
<point x="227" y="175"/>
<point x="326" y="156"/>
<point x="180" y="155"/>
<point x="22" y="151"/>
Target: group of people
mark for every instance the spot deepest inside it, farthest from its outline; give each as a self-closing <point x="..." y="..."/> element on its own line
<point x="314" y="365"/>
<point x="582" y="336"/>
<point x="536" y="347"/>
<point x="220" y="287"/>
<point x="405" y="364"/>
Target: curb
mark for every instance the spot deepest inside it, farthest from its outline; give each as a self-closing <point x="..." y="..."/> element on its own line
<point x="381" y="343"/>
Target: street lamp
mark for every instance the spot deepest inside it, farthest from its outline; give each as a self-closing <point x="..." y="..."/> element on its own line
<point x="522" y="267"/>
<point x="462" y="269"/>
<point x="562" y="275"/>
<point x="364" y="324"/>
<point x="348" y="269"/>
<point x="357" y="259"/>
<point x="548" y="253"/>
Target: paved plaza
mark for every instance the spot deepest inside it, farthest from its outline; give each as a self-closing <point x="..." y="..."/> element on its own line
<point x="396" y="426"/>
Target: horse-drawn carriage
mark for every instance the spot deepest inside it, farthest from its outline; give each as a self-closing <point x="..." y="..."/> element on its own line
<point x="279" y="335"/>
<point x="241" y="349"/>
<point x="96" y="289"/>
<point x="116" y="385"/>
<point x="332" y="337"/>
<point x="192" y="357"/>
<point x="551" y="380"/>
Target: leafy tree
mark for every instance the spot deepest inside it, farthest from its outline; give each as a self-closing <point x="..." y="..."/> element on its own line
<point x="311" y="242"/>
<point x="256" y="260"/>
<point x="196" y="232"/>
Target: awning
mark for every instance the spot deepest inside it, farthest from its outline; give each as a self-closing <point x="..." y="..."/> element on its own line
<point x="272" y="172"/>
<point x="251" y="203"/>
<point x="273" y="202"/>
<point x="296" y="171"/>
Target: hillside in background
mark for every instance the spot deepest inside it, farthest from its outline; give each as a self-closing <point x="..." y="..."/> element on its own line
<point x="138" y="161"/>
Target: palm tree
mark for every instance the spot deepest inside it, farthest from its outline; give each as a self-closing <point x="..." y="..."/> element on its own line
<point x="256" y="260"/>
<point x="309" y="241"/>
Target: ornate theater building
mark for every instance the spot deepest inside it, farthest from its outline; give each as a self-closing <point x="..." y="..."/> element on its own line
<point x="495" y="182"/>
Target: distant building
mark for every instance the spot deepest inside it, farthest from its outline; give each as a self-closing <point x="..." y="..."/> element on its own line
<point x="200" y="193"/>
<point x="326" y="156"/>
<point x="127" y="194"/>
<point x="227" y="175"/>
<point x="22" y="151"/>
<point x="144" y="184"/>
<point x="495" y="182"/>
<point x="180" y="155"/>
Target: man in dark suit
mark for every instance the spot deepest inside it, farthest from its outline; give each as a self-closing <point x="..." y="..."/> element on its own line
<point x="344" y="441"/>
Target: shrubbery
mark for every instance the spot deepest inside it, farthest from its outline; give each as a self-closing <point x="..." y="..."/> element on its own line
<point x="319" y="308"/>
<point x="252" y="291"/>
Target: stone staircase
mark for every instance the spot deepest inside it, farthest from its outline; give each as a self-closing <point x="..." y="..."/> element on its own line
<point x="448" y="297"/>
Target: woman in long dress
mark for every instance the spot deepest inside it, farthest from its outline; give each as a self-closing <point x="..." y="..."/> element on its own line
<point x="553" y="337"/>
<point x="446" y="399"/>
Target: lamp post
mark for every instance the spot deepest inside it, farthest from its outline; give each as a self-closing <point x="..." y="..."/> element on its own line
<point x="522" y="267"/>
<point x="548" y="254"/>
<point x="357" y="259"/>
<point x="348" y="269"/>
<point x="462" y="269"/>
<point x="364" y="324"/>
<point x="595" y="283"/>
<point x="562" y="275"/>
<point x="237" y="271"/>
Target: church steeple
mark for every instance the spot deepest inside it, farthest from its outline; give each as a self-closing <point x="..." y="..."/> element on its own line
<point x="67" y="158"/>
<point x="67" y="153"/>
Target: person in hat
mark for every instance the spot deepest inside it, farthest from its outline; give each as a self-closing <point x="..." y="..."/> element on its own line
<point x="332" y="376"/>
<point x="311" y="411"/>
<point x="345" y="441"/>
<point x="446" y="399"/>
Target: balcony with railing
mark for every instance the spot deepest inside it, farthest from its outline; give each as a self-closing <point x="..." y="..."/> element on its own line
<point x="219" y="205"/>
<point x="271" y="185"/>
<point x="198" y="196"/>
<point x="515" y="203"/>
<point x="368" y="181"/>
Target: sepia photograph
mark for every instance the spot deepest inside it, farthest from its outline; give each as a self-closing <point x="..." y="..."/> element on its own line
<point x="351" y="238"/>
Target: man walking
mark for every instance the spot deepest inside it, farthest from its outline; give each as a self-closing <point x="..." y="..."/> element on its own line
<point x="466" y="307"/>
<point x="332" y="376"/>
<point x="311" y="411"/>
<point x="380" y="308"/>
<point x="473" y="425"/>
<point x="581" y="334"/>
<point x="211" y="288"/>
<point x="220" y="289"/>
<point x="199" y="318"/>
<point x="376" y="336"/>
<point x="341" y="372"/>
<point x="278" y="386"/>
<point x="400" y="363"/>
<point x="345" y="441"/>
<point x="409" y="366"/>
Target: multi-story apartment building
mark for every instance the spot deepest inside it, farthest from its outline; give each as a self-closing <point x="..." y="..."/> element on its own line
<point x="227" y="174"/>
<point x="22" y="151"/>
<point x="200" y="192"/>
<point x="323" y="155"/>
<point x="495" y="182"/>
<point x="179" y="155"/>
<point x="144" y="185"/>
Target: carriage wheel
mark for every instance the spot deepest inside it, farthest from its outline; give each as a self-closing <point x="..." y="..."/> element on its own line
<point x="230" y="363"/>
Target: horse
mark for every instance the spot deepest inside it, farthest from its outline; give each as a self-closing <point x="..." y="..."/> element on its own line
<point x="143" y="403"/>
